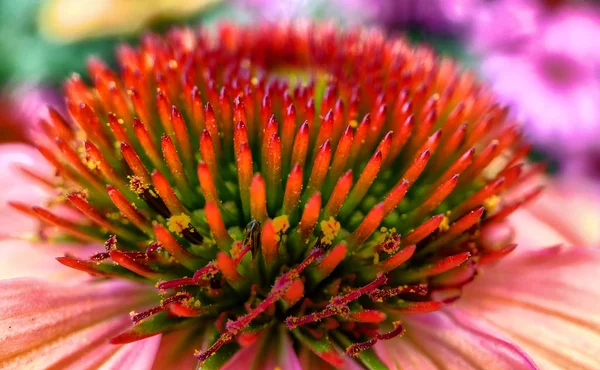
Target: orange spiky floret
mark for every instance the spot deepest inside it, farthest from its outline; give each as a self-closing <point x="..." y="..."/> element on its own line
<point x="289" y="175"/>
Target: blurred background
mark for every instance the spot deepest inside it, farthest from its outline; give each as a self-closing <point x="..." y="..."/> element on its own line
<point x="542" y="57"/>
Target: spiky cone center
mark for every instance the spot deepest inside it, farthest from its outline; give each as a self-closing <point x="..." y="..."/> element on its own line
<point x="293" y="175"/>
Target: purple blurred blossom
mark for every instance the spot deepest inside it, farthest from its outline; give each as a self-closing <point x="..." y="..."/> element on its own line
<point x="548" y="69"/>
<point x="503" y="25"/>
<point x="440" y="16"/>
<point x="444" y="16"/>
<point x="346" y="11"/>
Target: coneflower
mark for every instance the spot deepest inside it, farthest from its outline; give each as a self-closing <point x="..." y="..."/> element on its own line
<point x="283" y="177"/>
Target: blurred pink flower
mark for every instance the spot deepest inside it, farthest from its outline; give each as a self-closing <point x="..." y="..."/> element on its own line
<point x="503" y="25"/>
<point x="434" y="15"/>
<point x="536" y="308"/>
<point x="21" y="109"/>
<point x="545" y="63"/>
<point x="277" y="11"/>
<point x="438" y="16"/>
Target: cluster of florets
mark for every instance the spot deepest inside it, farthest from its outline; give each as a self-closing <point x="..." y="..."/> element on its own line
<point x="282" y="175"/>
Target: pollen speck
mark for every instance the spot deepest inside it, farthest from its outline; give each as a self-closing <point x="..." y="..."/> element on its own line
<point x="281" y="224"/>
<point x="92" y="165"/>
<point x="445" y="224"/>
<point x="137" y="185"/>
<point x="491" y="203"/>
<point x="178" y="223"/>
<point x="330" y="229"/>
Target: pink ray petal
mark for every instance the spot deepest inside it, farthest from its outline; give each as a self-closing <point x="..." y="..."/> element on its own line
<point x="547" y="300"/>
<point x="451" y="340"/>
<point x="35" y="312"/>
<point x="137" y="355"/>
<point x="567" y="212"/>
<point x="20" y="258"/>
<point x="246" y="356"/>
<point x="78" y="350"/>
<point x="18" y="187"/>
<point x="280" y="353"/>
<point x="570" y="209"/>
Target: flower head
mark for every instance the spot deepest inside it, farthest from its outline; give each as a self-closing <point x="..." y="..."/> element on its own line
<point x="291" y="179"/>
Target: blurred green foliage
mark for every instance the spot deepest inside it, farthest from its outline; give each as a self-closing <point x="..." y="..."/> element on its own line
<point x="26" y="56"/>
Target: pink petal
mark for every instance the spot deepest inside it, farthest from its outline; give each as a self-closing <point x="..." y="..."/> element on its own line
<point x="36" y="312"/>
<point x="451" y="340"/>
<point x="547" y="301"/>
<point x="20" y="258"/>
<point x="137" y="355"/>
<point x="280" y="352"/>
<point x="572" y="209"/>
<point x="246" y="356"/>
<point x="18" y="187"/>
<point x="567" y="212"/>
<point x="77" y="350"/>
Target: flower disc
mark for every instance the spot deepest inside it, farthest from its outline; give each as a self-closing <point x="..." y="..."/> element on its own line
<point x="277" y="177"/>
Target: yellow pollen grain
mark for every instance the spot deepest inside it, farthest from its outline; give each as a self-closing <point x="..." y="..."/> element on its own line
<point x="353" y="123"/>
<point x="330" y="229"/>
<point x="173" y="64"/>
<point x="445" y="224"/>
<point x="226" y="337"/>
<point x="178" y="223"/>
<point x="281" y="224"/>
<point x="92" y="165"/>
<point x="113" y="215"/>
<point x="137" y="185"/>
<point x="254" y="81"/>
<point x="491" y="203"/>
